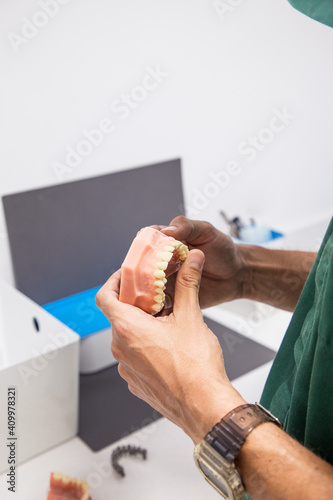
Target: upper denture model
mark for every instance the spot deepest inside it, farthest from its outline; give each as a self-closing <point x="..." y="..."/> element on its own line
<point x="152" y="257"/>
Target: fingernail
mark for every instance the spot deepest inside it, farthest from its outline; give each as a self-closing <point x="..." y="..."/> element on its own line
<point x="196" y="260"/>
<point x="170" y="228"/>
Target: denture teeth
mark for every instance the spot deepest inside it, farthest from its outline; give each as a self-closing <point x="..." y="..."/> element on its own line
<point x="159" y="284"/>
<point x="157" y="307"/>
<point x="159" y="274"/>
<point x="169" y="248"/>
<point x="160" y="291"/>
<point x="166" y="256"/>
<point x="182" y="252"/>
<point x="177" y="243"/>
<point x="164" y="280"/>
<point x="162" y="265"/>
<point x="158" y="298"/>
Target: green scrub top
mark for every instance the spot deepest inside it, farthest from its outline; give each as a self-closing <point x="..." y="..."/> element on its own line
<point x="299" y="388"/>
<point x="320" y="10"/>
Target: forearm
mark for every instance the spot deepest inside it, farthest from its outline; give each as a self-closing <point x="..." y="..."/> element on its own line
<point x="272" y="465"/>
<point x="275" y="277"/>
<point x="275" y="466"/>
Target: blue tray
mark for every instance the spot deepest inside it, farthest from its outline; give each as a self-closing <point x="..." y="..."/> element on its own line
<point x="79" y="312"/>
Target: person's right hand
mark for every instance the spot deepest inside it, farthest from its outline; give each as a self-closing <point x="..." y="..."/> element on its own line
<point x="223" y="271"/>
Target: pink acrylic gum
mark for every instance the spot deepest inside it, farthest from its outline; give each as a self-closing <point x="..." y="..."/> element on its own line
<point x="152" y="257"/>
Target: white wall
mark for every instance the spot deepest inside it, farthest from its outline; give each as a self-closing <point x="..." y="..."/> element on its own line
<point x="226" y="75"/>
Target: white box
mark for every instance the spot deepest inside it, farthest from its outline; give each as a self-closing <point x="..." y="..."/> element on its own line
<point x="39" y="358"/>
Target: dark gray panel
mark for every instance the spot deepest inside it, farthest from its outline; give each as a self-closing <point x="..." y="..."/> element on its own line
<point x="241" y="354"/>
<point x="108" y="411"/>
<point x="71" y="237"/>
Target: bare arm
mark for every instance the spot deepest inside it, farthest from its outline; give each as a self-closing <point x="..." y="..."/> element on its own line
<point x="233" y="271"/>
<point x="276" y="467"/>
<point x="275" y="277"/>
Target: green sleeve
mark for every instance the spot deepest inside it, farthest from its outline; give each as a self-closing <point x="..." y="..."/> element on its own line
<point x="320" y="10"/>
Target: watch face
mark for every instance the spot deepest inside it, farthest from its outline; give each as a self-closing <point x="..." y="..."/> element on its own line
<point x="218" y="482"/>
<point x="218" y="472"/>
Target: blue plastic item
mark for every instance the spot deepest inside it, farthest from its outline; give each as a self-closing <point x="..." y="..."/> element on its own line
<point x="257" y="235"/>
<point x="79" y="312"/>
<point x="276" y="234"/>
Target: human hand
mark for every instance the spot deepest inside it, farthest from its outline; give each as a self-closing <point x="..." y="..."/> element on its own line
<point x="174" y="363"/>
<point x="222" y="276"/>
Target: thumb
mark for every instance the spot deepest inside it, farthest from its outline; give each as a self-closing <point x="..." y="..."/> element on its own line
<point x="188" y="283"/>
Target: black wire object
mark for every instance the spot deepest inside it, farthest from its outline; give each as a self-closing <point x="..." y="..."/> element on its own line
<point x="125" y="450"/>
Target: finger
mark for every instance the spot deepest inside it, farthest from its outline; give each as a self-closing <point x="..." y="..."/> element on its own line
<point x="125" y="372"/>
<point x="193" y="232"/>
<point x="159" y="228"/>
<point x="188" y="284"/>
<point x="133" y="382"/>
<point x="109" y="291"/>
<point x="107" y="300"/>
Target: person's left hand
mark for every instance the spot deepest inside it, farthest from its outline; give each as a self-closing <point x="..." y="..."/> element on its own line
<point x="174" y="363"/>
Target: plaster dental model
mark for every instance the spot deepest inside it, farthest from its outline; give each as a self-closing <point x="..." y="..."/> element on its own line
<point x="152" y="257"/>
<point x="69" y="488"/>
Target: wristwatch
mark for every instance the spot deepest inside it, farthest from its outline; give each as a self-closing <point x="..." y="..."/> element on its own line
<point x="215" y="455"/>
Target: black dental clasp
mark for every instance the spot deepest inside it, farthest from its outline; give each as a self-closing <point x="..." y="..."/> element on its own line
<point x="125" y="450"/>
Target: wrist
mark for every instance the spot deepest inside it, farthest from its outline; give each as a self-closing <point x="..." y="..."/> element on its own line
<point x="246" y="270"/>
<point x="206" y="410"/>
<point x="255" y="443"/>
<point x="220" y="457"/>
